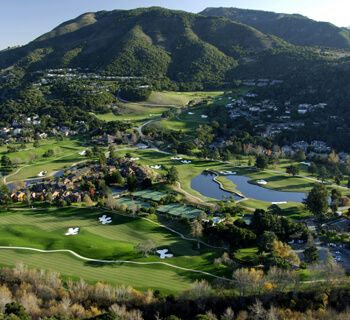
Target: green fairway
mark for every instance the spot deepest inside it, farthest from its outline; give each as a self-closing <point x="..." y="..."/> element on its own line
<point x="31" y="160"/>
<point x="181" y="98"/>
<point x="134" y="113"/>
<point x="247" y="255"/>
<point x="45" y="229"/>
<point x="140" y="277"/>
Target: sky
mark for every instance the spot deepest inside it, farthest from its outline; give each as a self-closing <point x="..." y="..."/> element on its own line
<point x="24" y="20"/>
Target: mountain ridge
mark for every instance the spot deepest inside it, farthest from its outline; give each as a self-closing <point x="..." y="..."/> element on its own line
<point x="294" y="28"/>
<point x="157" y="43"/>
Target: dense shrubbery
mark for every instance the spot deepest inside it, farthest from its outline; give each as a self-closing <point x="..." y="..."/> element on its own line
<point x="135" y="94"/>
<point x="32" y="294"/>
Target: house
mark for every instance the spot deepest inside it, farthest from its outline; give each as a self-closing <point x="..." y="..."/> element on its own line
<point x="18" y="196"/>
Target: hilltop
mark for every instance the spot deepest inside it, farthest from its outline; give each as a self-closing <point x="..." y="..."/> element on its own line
<point x="294" y="28"/>
<point x="153" y="42"/>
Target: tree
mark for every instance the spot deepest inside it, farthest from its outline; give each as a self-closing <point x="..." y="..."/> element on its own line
<point x="266" y="241"/>
<point x="36" y="143"/>
<point x="317" y="201"/>
<point x="312" y="168"/>
<point x="335" y="198"/>
<point x="300" y="155"/>
<point x="311" y="255"/>
<point x="285" y="252"/>
<point x="197" y="230"/>
<point x="261" y="162"/>
<point x="248" y="280"/>
<point x="87" y="200"/>
<point x="323" y="174"/>
<point x="293" y="170"/>
<point x="113" y="154"/>
<point x="146" y="247"/>
<point x="16" y="309"/>
<point x="131" y="182"/>
<point x="49" y="153"/>
<point x="110" y="202"/>
<point x="102" y="159"/>
<point x="172" y="175"/>
<point x="5" y="198"/>
<point x="6" y="162"/>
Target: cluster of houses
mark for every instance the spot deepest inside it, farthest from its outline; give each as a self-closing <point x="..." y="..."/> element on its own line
<point x="68" y="185"/>
<point x="26" y="130"/>
<point x="261" y="82"/>
<point x="305" y="108"/>
<point x="66" y="188"/>
<point x="270" y="118"/>
<point x="314" y="148"/>
<point x="69" y="74"/>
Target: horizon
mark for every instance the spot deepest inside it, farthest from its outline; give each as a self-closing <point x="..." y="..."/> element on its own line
<point x="23" y="22"/>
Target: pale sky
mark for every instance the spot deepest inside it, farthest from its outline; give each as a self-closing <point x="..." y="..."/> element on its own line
<point x="23" y="20"/>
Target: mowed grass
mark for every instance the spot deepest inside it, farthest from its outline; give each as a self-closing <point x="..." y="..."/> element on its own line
<point x="140" y="277"/>
<point x="31" y="161"/>
<point x="134" y="113"/>
<point x="181" y="98"/>
<point x="45" y="229"/>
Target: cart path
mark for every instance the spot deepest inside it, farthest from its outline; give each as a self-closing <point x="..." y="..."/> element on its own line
<point x="113" y="261"/>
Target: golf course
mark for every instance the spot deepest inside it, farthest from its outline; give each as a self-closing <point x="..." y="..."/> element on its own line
<point x="103" y="252"/>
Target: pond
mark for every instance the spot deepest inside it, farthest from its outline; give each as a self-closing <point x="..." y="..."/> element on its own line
<point x="205" y="185"/>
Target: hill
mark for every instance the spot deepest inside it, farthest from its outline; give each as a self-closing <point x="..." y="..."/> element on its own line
<point x="294" y="28"/>
<point x="153" y="42"/>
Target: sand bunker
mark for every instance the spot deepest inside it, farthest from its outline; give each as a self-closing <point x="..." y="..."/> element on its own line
<point x="105" y="220"/>
<point x="163" y="254"/>
<point x="72" y="231"/>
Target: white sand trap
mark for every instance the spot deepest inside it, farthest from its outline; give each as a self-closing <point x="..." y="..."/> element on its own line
<point x="191" y="113"/>
<point x="280" y="202"/>
<point x="105" y="220"/>
<point x="134" y="159"/>
<point x="203" y="116"/>
<point x="176" y="158"/>
<point x="261" y="182"/>
<point x="83" y="153"/>
<point x="227" y="173"/>
<point x="72" y="231"/>
<point x="186" y="161"/>
<point x="42" y="173"/>
<point x="156" y="167"/>
<point x="163" y="254"/>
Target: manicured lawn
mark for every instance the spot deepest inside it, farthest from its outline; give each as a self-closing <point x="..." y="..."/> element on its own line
<point x="290" y="209"/>
<point x="31" y="160"/>
<point x="140" y="277"/>
<point x="135" y="113"/>
<point x="180" y="98"/>
<point x="45" y="229"/>
<point x="227" y="184"/>
<point x="247" y="255"/>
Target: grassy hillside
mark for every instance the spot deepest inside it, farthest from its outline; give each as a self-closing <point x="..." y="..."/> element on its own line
<point x="295" y="28"/>
<point x="154" y="42"/>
